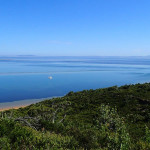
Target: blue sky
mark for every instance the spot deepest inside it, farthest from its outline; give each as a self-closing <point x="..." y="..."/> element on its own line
<point x="75" y="27"/>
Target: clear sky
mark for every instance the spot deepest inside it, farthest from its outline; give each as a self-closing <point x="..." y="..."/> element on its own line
<point x="75" y="27"/>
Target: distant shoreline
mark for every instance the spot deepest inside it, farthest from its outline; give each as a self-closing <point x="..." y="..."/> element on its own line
<point x="22" y="103"/>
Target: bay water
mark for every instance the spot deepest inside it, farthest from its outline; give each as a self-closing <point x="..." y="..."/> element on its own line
<point x="27" y="77"/>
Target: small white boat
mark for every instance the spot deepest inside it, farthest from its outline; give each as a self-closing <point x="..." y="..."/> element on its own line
<point x="50" y="77"/>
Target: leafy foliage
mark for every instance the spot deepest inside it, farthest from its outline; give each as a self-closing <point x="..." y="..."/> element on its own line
<point x="111" y="118"/>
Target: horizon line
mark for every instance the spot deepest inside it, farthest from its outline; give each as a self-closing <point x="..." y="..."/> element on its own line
<point x="73" y="56"/>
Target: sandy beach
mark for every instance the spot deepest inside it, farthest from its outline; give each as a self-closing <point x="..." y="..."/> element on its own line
<point x="16" y="107"/>
<point x="20" y="103"/>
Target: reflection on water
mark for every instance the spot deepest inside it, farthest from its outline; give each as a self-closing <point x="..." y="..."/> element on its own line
<point x="27" y="77"/>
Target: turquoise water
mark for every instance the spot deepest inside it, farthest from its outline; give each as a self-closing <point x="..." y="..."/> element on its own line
<point x="27" y="77"/>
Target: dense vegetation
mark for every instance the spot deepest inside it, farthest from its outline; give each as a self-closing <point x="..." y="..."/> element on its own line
<point x="114" y="118"/>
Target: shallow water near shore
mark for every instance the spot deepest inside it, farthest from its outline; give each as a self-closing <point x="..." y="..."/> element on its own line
<point x="21" y="103"/>
<point x="27" y="77"/>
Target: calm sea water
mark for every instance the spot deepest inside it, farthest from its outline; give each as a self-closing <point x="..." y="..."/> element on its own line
<point x="27" y="77"/>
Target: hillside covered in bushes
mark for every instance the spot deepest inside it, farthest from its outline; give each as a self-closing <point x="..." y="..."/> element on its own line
<point x="114" y="118"/>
